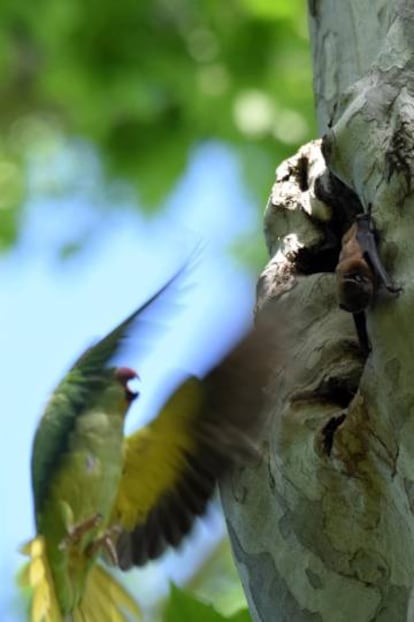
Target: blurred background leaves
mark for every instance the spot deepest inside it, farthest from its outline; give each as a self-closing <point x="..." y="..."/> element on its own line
<point x="145" y="81"/>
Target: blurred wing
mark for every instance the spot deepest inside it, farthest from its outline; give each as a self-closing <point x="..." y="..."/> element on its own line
<point x="162" y="488"/>
<point x="172" y="465"/>
<point x="99" y="355"/>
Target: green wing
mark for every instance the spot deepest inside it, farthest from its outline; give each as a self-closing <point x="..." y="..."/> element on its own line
<point x="98" y="356"/>
<point x="51" y="441"/>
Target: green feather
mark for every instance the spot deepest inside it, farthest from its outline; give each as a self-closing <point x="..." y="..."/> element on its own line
<point x="73" y="396"/>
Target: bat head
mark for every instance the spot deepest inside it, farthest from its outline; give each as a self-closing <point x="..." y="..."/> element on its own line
<point x="124" y="375"/>
<point x="355" y="285"/>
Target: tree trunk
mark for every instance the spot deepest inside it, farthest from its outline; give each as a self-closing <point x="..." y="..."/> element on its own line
<point x="322" y="528"/>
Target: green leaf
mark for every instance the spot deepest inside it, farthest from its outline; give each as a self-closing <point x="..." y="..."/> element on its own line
<point x="183" y="607"/>
<point x="240" y="616"/>
<point x="217" y="580"/>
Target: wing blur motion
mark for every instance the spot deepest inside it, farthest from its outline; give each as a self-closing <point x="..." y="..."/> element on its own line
<point x="171" y="466"/>
<point x="100" y="354"/>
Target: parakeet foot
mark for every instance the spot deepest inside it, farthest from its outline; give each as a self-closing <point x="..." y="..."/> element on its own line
<point x="106" y="543"/>
<point x="76" y="532"/>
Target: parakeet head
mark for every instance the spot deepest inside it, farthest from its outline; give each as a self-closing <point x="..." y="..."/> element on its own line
<point x="115" y="395"/>
<point x="124" y="375"/>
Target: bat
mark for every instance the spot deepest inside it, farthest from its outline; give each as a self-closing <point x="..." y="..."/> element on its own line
<point x="360" y="273"/>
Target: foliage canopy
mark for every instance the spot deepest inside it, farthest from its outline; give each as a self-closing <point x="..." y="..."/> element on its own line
<point x="145" y="81"/>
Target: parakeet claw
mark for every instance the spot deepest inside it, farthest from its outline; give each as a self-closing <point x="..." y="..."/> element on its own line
<point x="76" y="532"/>
<point x="106" y="543"/>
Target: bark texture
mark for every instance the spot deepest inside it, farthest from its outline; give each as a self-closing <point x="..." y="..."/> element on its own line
<point x="322" y="528"/>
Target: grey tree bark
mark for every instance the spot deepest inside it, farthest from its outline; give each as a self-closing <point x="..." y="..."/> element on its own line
<point x="322" y="527"/>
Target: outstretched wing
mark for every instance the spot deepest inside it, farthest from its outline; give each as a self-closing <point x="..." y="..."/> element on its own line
<point x="172" y="465"/>
<point x="99" y="355"/>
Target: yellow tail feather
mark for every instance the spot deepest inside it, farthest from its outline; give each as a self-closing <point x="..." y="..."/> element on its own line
<point x="104" y="600"/>
<point x="36" y="575"/>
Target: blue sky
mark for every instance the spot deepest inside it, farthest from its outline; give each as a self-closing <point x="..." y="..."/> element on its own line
<point x="51" y="310"/>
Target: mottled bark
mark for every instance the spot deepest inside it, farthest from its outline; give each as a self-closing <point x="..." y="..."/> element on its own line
<point x="322" y="528"/>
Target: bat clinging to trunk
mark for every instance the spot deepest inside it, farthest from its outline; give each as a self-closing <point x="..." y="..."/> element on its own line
<point x="360" y="272"/>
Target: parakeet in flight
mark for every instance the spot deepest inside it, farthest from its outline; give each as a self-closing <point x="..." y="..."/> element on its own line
<point x="98" y="493"/>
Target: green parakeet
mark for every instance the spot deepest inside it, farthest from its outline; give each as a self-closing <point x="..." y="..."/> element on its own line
<point x="127" y="499"/>
<point x="77" y="463"/>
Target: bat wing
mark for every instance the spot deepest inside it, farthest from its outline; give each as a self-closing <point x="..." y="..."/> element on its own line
<point x="367" y="240"/>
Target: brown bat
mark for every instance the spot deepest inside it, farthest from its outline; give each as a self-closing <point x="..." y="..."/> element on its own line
<point x="360" y="272"/>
